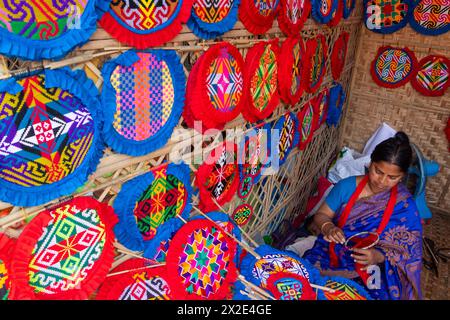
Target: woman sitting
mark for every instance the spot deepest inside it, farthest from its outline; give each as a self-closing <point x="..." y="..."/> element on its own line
<point x="376" y="203"/>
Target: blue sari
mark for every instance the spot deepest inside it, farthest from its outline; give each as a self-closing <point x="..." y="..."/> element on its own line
<point x="400" y="242"/>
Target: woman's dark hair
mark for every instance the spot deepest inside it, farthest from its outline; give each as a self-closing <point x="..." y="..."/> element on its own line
<point x="395" y="150"/>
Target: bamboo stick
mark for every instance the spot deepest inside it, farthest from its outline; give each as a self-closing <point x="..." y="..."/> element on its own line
<point x="255" y="287"/>
<point x="135" y="269"/>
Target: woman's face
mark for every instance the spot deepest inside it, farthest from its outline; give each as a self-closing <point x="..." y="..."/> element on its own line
<point x="383" y="176"/>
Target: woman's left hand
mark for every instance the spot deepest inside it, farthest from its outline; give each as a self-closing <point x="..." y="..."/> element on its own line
<point x="367" y="257"/>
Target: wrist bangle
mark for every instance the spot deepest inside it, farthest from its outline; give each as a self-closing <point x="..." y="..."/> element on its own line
<point x="324" y="224"/>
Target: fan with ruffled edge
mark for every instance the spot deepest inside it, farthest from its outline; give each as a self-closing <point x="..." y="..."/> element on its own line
<point x="37" y="30"/>
<point x="307" y="123"/>
<point x="50" y="135"/>
<point x="258" y="15"/>
<point x="393" y="67"/>
<point x="344" y="289"/>
<point x="430" y="17"/>
<point x="242" y="214"/>
<point x="143" y="98"/>
<point x="339" y="54"/>
<point x="290" y="75"/>
<point x="336" y="102"/>
<point x="211" y="19"/>
<point x="292" y="16"/>
<point x="323" y="11"/>
<point x="136" y="279"/>
<point x="245" y="187"/>
<point x="6" y="249"/>
<point x="321" y="104"/>
<point x="349" y="6"/>
<point x="226" y="222"/>
<point x="200" y="261"/>
<point x="214" y="93"/>
<point x="387" y="16"/>
<point x="65" y="252"/>
<point x="315" y="63"/>
<point x="148" y="201"/>
<point x="287" y="136"/>
<point x="432" y="76"/>
<point x="146" y="23"/>
<point x="261" y="94"/>
<point x="290" y="286"/>
<point x="273" y="261"/>
<point x="218" y="177"/>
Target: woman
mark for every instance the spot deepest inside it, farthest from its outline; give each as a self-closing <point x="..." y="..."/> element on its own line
<point x="377" y="202"/>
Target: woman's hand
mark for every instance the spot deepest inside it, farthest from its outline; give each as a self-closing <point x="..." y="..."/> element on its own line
<point x="367" y="257"/>
<point x="331" y="233"/>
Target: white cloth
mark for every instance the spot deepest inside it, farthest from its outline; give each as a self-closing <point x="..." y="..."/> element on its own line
<point x="383" y="132"/>
<point x="301" y="245"/>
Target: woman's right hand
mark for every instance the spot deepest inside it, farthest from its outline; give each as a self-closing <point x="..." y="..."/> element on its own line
<point x="331" y="233"/>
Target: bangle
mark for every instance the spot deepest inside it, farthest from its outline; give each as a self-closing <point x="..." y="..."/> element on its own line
<point x="324" y="224"/>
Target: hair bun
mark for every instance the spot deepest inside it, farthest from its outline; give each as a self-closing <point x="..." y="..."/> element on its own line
<point x="401" y="138"/>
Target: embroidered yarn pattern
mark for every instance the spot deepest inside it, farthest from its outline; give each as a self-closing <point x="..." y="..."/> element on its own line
<point x="144" y="96"/>
<point x="343" y="291"/>
<point x="45" y="134"/>
<point x="393" y="15"/>
<point x="264" y="81"/>
<point x="224" y="173"/>
<point x="274" y="263"/>
<point x="39" y="20"/>
<point x="242" y="214"/>
<point x="211" y="11"/>
<point x="225" y="82"/>
<point x="165" y="198"/>
<point x="431" y="17"/>
<point x="432" y="77"/>
<point x="307" y="124"/>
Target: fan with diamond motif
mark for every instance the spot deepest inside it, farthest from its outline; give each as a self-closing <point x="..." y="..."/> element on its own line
<point x="344" y="289"/>
<point x="148" y="201"/>
<point x="292" y="15"/>
<point x="307" y="123"/>
<point x="50" y="135"/>
<point x="432" y="76"/>
<point x="65" y="252"/>
<point x="321" y="104"/>
<point x="314" y="67"/>
<point x="290" y="286"/>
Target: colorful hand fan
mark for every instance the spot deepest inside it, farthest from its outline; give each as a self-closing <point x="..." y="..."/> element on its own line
<point x="345" y="289"/>
<point x="337" y="15"/>
<point x="211" y="19"/>
<point x="225" y="222"/>
<point x="307" y="122"/>
<point x="143" y="98"/>
<point x="258" y="15"/>
<point x="215" y="87"/>
<point x="148" y="201"/>
<point x="287" y="127"/>
<point x="156" y="248"/>
<point x="255" y="151"/>
<point x="393" y="67"/>
<point x="292" y="16"/>
<point x="315" y="63"/>
<point x="141" y="282"/>
<point x="349" y="6"/>
<point x="336" y="102"/>
<point x="242" y="214"/>
<point x="65" y="252"/>
<point x="145" y="23"/>
<point x="200" y="262"/>
<point x="6" y="249"/>
<point x="338" y="55"/>
<point x="386" y="16"/>
<point x="50" y="135"/>
<point x="272" y="262"/>
<point x="432" y="76"/>
<point x="290" y="286"/>
<point x="324" y="10"/>
<point x="218" y="177"/>
<point x="321" y="104"/>
<point x="45" y="29"/>
<point x="261" y="81"/>
<point x="290" y="80"/>
<point x="430" y="17"/>
<point x="245" y="186"/>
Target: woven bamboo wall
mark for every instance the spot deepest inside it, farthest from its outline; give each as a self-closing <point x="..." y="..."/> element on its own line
<point x="422" y="118"/>
<point x="274" y="198"/>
